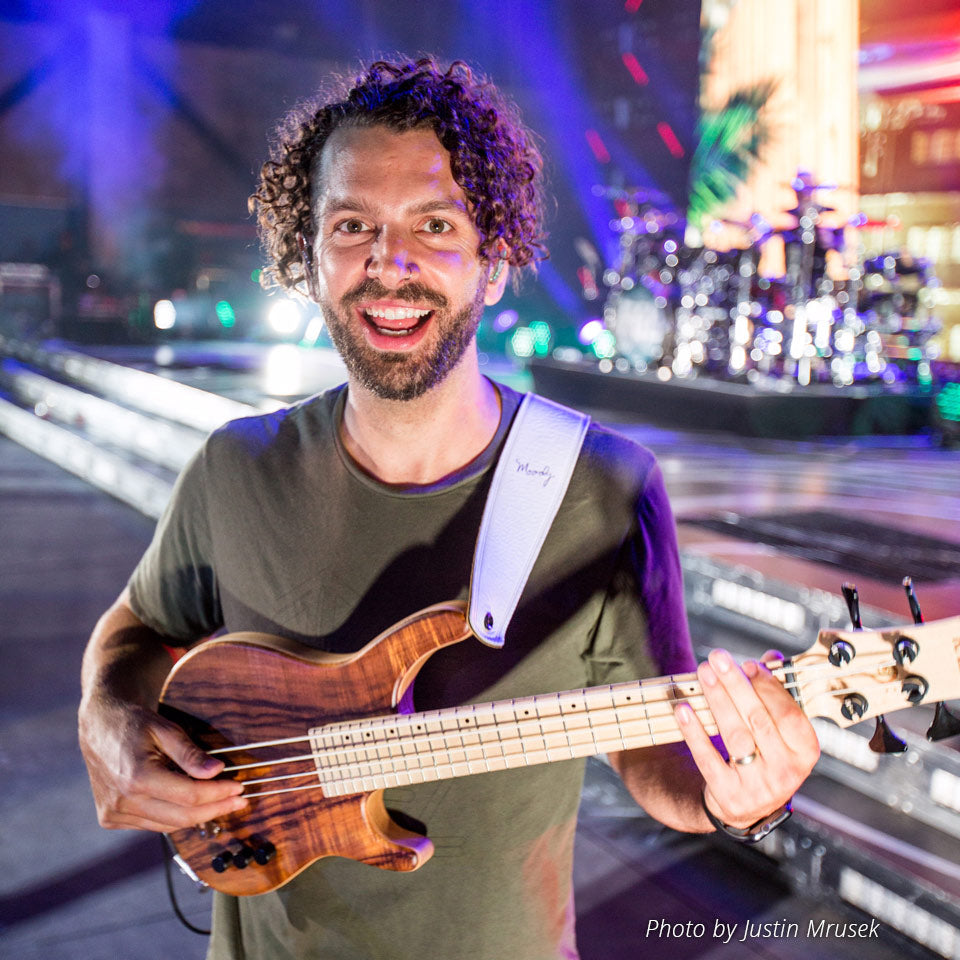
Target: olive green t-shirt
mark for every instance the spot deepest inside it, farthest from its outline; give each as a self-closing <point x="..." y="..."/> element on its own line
<point x="274" y="528"/>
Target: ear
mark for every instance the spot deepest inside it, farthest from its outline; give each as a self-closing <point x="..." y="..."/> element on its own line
<point x="499" y="271"/>
<point x="305" y="245"/>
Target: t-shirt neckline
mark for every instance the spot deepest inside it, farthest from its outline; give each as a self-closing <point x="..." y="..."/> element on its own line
<point x="509" y="401"/>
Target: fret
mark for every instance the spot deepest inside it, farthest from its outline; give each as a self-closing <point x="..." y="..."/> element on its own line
<point x="496" y="758"/>
<point x="553" y="724"/>
<point x="404" y="732"/>
<point x="470" y="739"/>
<point x="548" y="705"/>
<point x="658" y="700"/>
<point x="628" y="706"/>
<point x="571" y="702"/>
<point x="394" y="746"/>
<point x="599" y="700"/>
<point x="467" y="726"/>
<point x="489" y="733"/>
<point x="536" y="756"/>
<point x="484" y="714"/>
<point x="328" y="742"/>
<point x="316" y="748"/>
<point x="531" y="712"/>
<point x="368" y="757"/>
<point x="571" y="707"/>
<point x="630" y="702"/>
<point x="552" y="727"/>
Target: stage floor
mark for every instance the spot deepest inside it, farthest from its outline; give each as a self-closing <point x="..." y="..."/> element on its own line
<point x="69" y="890"/>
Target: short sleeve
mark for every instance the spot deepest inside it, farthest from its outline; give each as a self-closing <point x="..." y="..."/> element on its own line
<point x="642" y="630"/>
<point x="173" y="588"/>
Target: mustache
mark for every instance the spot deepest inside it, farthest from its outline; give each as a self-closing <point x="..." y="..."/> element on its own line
<point x="412" y="292"/>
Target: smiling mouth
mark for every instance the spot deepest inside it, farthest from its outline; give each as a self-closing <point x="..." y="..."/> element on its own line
<point x="396" y="321"/>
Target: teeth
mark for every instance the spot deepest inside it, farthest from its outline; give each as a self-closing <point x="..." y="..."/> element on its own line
<point x="396" y="313"/>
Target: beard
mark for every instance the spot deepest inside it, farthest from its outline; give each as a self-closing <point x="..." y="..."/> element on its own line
<point x="402" y="375"/>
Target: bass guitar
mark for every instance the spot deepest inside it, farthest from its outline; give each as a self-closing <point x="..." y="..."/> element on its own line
<point x="337" y="730"/>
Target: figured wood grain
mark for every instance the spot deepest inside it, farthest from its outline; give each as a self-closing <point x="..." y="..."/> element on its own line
<point x="247" y="688"/>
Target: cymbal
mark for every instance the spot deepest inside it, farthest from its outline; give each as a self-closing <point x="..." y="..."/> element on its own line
<point x="797" y="185"/>
<point x="819" y="207"/>
<point x="860" y="221"/>
<point x="637" y="194"/>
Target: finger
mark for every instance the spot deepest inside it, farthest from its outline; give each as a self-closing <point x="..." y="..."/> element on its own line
<point x="151" y="813"/>
<point x="794" y="727"/>
<point x="171" y="786"/>
<point x="122" y="821"/>
<point x="742" y="721"/>
<point x="770" y="659"/>
<point x="708" y="759"/>
<point x="173" y="742"/>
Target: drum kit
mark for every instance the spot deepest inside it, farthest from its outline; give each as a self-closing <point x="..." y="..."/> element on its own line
<point x="688" y="310"/>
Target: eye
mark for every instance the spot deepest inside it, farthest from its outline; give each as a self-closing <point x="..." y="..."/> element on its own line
<point x="353" y="225"/>
<point x="436" y="225"/>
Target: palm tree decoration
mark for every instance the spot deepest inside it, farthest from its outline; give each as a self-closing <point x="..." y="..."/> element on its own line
<point x="729" y="143"/>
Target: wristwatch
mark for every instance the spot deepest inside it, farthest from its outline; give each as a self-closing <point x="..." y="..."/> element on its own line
<point x="756" y="831"/>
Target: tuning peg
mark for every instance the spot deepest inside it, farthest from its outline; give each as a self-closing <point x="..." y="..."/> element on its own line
<point x="853" y="604"/>
<point x="945" y="724"/>
<point x="912" y="600"/>
<point x="884" y="740"/>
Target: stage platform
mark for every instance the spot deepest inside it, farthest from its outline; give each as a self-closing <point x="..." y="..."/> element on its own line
<point x="774" y="409"/>
<point x="872" y="836"/>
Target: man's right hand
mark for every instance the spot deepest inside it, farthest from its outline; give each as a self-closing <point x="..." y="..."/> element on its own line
<point x="145" y="771"/>
<point x="128" y="750"/>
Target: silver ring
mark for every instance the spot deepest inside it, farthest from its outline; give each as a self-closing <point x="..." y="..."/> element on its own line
<point x="744" y="761"/>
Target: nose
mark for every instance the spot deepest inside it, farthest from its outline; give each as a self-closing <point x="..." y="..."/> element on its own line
<point x="390" y="260"/>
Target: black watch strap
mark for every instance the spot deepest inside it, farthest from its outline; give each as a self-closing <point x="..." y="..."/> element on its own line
<point x="756" y="831"/>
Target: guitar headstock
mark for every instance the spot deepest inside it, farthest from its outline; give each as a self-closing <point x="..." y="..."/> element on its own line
<point x="852" y="675"/>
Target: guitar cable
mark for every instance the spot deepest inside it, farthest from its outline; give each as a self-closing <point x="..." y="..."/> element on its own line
<point x="167" y="855"/>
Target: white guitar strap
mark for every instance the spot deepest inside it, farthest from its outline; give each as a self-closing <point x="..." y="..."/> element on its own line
<point x="530" y="480"/>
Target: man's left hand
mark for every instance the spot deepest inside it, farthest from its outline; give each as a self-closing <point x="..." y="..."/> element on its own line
<point x="771" y="745"/>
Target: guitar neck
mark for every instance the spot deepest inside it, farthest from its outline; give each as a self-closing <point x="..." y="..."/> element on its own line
<point x="363" y="755"/>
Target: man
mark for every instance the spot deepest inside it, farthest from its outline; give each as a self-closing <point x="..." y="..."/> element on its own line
<point x="401" y="209"/>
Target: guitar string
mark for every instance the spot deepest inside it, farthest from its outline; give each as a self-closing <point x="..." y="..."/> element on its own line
<point x="428" y="738"/>
<point x="404" y="719"/>
<point x="442" y="742"/>
<point x="644" y="685"/>
<point x="345" y="773"/>
<point x="348" y="770"/>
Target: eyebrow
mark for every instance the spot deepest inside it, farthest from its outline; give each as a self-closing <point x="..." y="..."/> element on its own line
<point x="342" y="204"/>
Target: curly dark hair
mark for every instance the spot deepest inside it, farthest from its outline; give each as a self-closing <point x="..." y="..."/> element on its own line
<point x="493" y="158"/>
